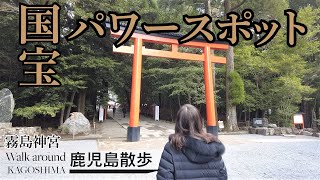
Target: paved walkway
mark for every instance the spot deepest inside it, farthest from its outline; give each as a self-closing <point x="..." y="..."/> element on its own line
<point x="112" y="133"/>
<point x="154" y="134"/>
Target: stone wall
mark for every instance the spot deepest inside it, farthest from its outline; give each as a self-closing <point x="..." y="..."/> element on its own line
<point x="7" y="129"/>
<point x="277" y="131"/>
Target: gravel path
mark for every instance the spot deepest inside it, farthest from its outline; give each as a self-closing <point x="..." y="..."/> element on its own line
<point x="263" y="157"/>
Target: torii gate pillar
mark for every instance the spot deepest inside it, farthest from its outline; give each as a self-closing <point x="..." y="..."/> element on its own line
<point x="133" y="133"/>
<point x="210" y="100"/>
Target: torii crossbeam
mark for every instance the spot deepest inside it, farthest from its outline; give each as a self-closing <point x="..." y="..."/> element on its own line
<point x="139" y="37"/>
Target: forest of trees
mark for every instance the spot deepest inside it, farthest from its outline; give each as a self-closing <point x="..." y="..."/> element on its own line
<point x="274" y="78"/>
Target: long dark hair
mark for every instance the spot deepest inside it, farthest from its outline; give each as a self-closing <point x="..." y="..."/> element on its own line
<point x="189" y="123"/>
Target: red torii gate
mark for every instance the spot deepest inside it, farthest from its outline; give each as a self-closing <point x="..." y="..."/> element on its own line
<point x="138" y="50"/>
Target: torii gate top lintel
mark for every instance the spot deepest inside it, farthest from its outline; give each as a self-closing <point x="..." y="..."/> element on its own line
<point x="174" y="53"/>
<point x="170" y="39"/>
<point x="138" y="51"/>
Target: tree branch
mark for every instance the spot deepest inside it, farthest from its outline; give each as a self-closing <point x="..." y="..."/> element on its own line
<point x="237" y="6"/>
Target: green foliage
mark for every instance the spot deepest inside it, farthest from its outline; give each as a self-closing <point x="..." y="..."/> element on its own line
<point x="39" y="109"/>
<point x="277" y="77"/>
<point x="298" y="4"/>
<point x="237" y="92"/>
<point x="286" y="93"/>
<point x="271" y="9"/>
<point x="183" y="79"/>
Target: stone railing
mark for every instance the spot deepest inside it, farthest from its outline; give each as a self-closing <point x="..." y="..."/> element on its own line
<point x="277" y="131"/>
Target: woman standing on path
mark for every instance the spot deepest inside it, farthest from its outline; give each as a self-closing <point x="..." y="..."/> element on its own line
<point x="192" y="153"/>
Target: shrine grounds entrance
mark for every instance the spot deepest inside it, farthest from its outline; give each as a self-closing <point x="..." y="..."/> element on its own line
<point x="138" y="50"/>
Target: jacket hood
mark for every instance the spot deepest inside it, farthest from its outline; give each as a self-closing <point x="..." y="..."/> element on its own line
<point x="199" y="151"/>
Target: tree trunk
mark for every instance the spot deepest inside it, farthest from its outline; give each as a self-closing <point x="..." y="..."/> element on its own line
<point x="316" y="108"/>
<point x="245" y="116"/>
<point x="171" y="111"/>
<point x="82" y="101"/>
<point x="230" y="108"/>
<point x="189" y="99"/>
<point x="160" y="101"/>
<point x="128" y="98"/>
<point x="315" y="112"/>
<point x="64" y="107"/>
<point x="70" y="105"/>
<point x="232" y="124"/>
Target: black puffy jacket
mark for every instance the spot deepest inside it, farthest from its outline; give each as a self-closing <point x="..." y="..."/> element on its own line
<point x="196" y="160"/>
